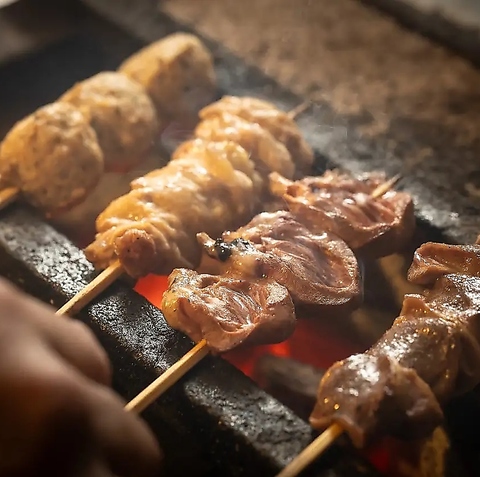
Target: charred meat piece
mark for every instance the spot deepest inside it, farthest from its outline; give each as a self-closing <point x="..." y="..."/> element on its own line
<point x="121" y="113"/>
<point x="280" y="125"/>
<point x="228" y="312"/>
<point x="177" y="72"/>
<point x="153" y="228"/>
<point x="432" y="260"/>
<point x="320" y="271"/>
<point x="430" y="355"/>
<point x="338" y="203"/>
<point x="53" y="157"/>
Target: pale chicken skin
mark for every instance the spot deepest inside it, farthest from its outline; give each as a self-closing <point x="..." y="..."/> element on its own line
<point x="152" y="229"/>
<point x="278" y="123"/>
<point x="228" y="312"/>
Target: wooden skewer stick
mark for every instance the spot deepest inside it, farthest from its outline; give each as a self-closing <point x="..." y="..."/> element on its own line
<point x="92" y="290"/>
<point x="311" y="452"/>
<point x="173" y="374"/>
<point x="168" y="378"/>
<point x="295" y="112"/>
<point x="8" y="195"/>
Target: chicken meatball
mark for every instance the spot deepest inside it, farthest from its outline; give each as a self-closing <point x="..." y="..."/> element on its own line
<point x="53" y="157"/>
<point x="177" y="73"/>
<point x="121" y="113"/>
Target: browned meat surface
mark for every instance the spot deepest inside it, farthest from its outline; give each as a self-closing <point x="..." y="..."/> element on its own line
<point x="153" y="228"/>
<point x="267" y="153"/>
<point x="121" y="113"/>
<point x="432" y="260"/>
<point x="228" y="312"/>
<point x="277" y="122"/>
<point x="368" y="395"/>
<point x="53" y="157"/>
<point x="338" y="203"/>
<point x="177" y="72"/>
<point x="320" y="271"/>
<point x="429" y="355"/>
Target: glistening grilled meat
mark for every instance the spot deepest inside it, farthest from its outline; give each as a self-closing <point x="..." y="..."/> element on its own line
<point x="319" y="271"/>
<point x="228" y="312"/>
<point x="152" y="228"/>
<point x="431" y="354"/>
<point x="343" y="205"/>
<point x="280" y="125"/>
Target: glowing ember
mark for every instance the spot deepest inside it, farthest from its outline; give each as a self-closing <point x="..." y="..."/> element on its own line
<point x="313" y="343"/>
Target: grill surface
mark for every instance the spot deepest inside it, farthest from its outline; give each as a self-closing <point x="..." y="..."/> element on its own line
<point x="216" y="415"/>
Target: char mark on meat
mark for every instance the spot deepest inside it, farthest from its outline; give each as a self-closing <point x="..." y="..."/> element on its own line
<point x="320" y="271"/>
<point x="342" y="205"/>
<point x="228" y="312"/>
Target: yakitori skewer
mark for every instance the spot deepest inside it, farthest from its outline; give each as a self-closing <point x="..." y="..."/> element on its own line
<point x="201" y="350"/>
<point x="429" y="356"/>
<point x="106" y="123"/>
<point x="114" y="270"/>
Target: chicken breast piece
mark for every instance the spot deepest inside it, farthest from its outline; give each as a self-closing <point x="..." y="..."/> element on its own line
<point x="177" y="72"/>
<point x="121" y="113"/>
<point x="153" y="228"/>
<point x="277" y="122"/>
<point x="53" y="157"/>
<point x="228" y="312"/>
<point x="267" y="153"/>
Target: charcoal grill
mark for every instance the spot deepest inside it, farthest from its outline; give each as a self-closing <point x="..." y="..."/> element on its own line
<point x="215" y="421"/>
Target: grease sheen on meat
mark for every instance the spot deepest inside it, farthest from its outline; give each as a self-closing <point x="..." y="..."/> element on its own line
<point x="152" y="229"/>
<point x="434" y="344"/>
<point x="432" y="260"/>
<point x="277" y="122"/>
<point x="320" y="271"/>
<point x="228" y="312"/>
<point x="343" y="205"/>
<point x="267" y="153"/>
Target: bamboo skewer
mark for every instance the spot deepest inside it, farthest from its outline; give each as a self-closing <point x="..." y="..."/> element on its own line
<point x="196" y="354"/>
<point x="8" y="195"/>
<point x="100" y="283"/>
<point x="152" y="392"/>
<point x="311" y="452"/>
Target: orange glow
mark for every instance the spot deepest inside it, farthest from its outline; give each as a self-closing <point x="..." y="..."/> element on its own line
<point x="313" y="342"/>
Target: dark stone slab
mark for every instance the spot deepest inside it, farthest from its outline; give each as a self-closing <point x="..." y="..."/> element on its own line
<point x="215" y="421"/>
<point x="437" y="183"/>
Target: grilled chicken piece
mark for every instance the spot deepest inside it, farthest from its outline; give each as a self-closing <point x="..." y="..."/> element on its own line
<point x="199" y="147"/>
<point x="152" y="229"/>
<point x="53" y="157"/>
<point x="178" y="74"/>
<point x="121" y="113"/>
<point x="280" y="125"/>
<point x="228" y="312"/>
<point x="267" y="153"/>
<point x="319" y="271"/>
<point x="340" y="204"/>
<point x="430" y="355"/>
<point x="432" y="260"/>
